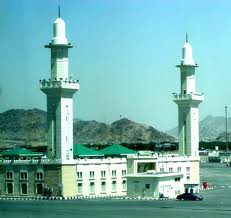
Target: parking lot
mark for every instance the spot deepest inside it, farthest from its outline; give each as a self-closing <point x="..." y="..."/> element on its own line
<point x="216" y="174"/>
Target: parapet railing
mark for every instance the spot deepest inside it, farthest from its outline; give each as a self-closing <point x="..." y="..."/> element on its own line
<point x="192" y="95"/>
<point x="67" y="83"/>
<point x="29" y="161"/>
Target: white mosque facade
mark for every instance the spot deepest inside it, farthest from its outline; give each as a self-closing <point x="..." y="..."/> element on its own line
<point x="75" y="170"/>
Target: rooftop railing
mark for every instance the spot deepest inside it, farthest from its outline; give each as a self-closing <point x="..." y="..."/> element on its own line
<point x="67" y="83"/>
<point x="190" y="96"/>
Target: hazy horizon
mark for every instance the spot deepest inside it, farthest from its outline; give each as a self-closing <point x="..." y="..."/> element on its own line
<point x="124" y="56"/>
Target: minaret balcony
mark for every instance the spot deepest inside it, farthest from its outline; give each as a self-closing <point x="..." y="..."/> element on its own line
<point x="191" y="97"/>
<point x="59" y="84"/>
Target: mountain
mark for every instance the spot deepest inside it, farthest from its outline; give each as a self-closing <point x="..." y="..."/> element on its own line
<point x="18" y="126"/>
<point x="173" y="132"/>
<point x="124" y="130"/>
<point x="211" y="128"/>
<point x="24" y="126"/>
<point x="222" y="137"/>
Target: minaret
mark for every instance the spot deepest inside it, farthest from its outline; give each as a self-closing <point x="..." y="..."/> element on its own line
<point x="188" y="101"/>
<point x="59" y="90"/>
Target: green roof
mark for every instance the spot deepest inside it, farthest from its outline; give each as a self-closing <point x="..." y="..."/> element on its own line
<point x="83" y="151"/>
<point x="20" y="152"/>
<point x="115" y="150"/>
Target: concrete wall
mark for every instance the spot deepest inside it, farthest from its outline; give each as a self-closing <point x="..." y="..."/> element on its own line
<point x="118" y="165"/>
<point x="153" y="186"/>
<point x="52" y="180"/>
<point x="2" y="180"/>
<point x="171" y="188"/>
<point x="195" y="172"/>
<point x="137" y="187"/>
<point x="139" y="164"/>
<point x="60" y="126"/>
<point x="130" y="166"/>
<point x="16" y="169"/>
<point x="188" y="166"/>
<point x="69" y="180"/>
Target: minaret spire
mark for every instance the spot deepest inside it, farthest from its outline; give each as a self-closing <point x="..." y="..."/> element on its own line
<point x="59" y="96"/>
<point x="59" y="90"/>
<point x="59" y="11"/>
<point x="188" y="105"/>
<point x="187" y="57"/>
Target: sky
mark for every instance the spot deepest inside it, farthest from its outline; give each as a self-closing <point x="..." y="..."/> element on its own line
<point x="124" y="55"/>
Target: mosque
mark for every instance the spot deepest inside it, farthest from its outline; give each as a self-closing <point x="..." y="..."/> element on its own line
<point x="74" y="170"/>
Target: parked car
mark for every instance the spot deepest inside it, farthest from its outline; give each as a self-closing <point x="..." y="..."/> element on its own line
<point x="190" y="197"/>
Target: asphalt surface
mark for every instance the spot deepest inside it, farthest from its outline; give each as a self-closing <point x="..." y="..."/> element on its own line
<point x="216" y="203"/>
<point x="215" y="174"/>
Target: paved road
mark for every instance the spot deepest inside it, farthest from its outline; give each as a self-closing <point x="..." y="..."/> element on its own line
<point x="217" y="203"/>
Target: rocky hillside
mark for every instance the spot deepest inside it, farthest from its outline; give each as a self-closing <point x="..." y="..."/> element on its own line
<point x="211" y="128"/>
<point x="23" y="125"/>
<point x="124" y="130"/>
<point x="222" y="137"/>
<point x="29" y="127"/>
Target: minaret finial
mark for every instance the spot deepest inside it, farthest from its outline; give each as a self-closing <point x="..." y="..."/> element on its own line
<point x="59" y="11"/>
<point x="186" y="38"/>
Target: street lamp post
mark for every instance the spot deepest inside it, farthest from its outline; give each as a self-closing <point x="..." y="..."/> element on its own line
<point x="226" y="134"/>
